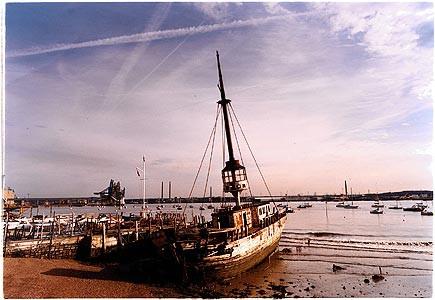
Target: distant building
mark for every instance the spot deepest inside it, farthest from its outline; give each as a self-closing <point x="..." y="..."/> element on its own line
<point x="9" y="197"/>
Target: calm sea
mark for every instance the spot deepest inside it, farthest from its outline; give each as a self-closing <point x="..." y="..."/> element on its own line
<point x="319" y="221"/>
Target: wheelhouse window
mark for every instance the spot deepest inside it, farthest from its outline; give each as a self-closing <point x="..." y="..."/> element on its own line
<point x="239" y="174"/>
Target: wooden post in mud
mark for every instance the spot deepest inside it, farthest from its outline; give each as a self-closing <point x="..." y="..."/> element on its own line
<point x="58" y="225"/>
<point x="72" y="224"/>
<point x="40" y="237"/>
<point x="119" y="231"/>
<point x="104" y="238"/>
<point x="51" y="237"/>
<point x="6" y="232"/>
<point x="42" y="227"/>
<point x="149" y="224"/>
<point x="136" y="230"/>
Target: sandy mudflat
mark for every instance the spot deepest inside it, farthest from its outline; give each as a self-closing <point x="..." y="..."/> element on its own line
<point x="42" y="278"/>
<point x="295" y="271"/>
<point x="308" y="272"/>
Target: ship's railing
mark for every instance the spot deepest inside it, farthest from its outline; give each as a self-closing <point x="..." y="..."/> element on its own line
<point x="271" y="219"/>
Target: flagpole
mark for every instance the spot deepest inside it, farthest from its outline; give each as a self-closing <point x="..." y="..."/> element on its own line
<point x="143" y="195"/>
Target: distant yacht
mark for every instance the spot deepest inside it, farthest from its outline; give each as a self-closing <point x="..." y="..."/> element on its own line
<point x="416" y="207"/>
<point x="395" y="206"/>
<point x="377" y="203"/>
<point x="377" y="211"/>
<point x="349" y="205"/>
<point x="426" y="213"/>
<point x="304" y="205"/>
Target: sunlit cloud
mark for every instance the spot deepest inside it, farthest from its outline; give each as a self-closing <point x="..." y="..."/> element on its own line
<point x="324" y="93"/>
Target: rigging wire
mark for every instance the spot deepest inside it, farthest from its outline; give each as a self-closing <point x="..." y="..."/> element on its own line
<point x="223" y="200"/>
<point x="210" y="161"/>
<point x="202" y="159"/>
<point x="240" y="152"/>
<point x="252" y="154"/>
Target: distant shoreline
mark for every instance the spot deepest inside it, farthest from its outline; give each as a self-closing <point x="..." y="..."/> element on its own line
<point x="80" y="202"/>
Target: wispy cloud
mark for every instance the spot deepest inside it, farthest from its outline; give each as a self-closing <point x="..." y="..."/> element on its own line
<point x="329" y="95"/>
<point x="151" y="36"/>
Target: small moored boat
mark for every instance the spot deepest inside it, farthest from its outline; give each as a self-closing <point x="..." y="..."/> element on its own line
<point x="426" y="213"/>
<point x="305" y="205"/>
<point x="395" y="206"/>
<point x="415" y="207"/>
<point x="377" y="211"/>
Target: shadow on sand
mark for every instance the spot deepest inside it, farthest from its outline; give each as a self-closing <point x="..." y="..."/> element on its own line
<point x="117" y="273"/>
<point x="105" y="274"/>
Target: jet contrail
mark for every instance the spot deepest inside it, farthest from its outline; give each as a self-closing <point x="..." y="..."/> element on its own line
<point x="150" y="36"/>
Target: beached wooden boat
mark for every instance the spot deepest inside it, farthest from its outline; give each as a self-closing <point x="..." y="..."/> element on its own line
<point x="237" y="238"/>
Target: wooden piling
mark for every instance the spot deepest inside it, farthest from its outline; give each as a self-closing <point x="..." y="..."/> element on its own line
<point x="51" y="237"/>
<point x="40" y="237"/>
<point x="42" y="227"/>
<point x="104" y="238"/>
<point x="56" y="221"/>
<point x="119" y="232"/>
<point x="136" y="230"/>
<point x="72" y="223"/>
<point x="6" y="232"/>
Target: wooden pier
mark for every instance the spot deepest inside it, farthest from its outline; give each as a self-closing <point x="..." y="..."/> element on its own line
<point x="91" y="238"/>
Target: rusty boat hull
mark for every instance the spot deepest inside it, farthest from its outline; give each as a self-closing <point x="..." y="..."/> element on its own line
<point x="246" y="253"/>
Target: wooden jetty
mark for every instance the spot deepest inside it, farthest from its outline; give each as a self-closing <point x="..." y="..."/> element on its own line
<point x="90" y="238"/>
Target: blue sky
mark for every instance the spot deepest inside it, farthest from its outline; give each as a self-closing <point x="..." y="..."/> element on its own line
<point x="324" y="92"/>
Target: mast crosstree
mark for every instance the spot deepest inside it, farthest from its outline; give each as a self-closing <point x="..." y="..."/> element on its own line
<point x="234" y="174"/>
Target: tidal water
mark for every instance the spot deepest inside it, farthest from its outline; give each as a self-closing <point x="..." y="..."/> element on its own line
<point x="318" y="238"/>
<point x="322" y="220"/>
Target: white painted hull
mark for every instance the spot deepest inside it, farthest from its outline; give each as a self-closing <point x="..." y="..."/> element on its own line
<point x="247" y="252"/>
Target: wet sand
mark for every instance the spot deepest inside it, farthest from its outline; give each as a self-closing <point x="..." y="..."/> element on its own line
<point x="309" y="272"/>
<point x="297" y="270"/>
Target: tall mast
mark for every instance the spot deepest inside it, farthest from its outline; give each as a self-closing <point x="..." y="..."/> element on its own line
<point x="345" y="187"/>
<point x="224" y="102"/>
<point x="233" y="174"/>
<point x="143" y="182"/>
<point x="169" y="193"/>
